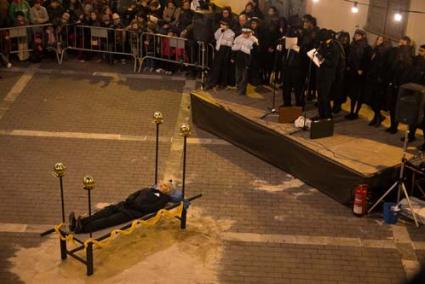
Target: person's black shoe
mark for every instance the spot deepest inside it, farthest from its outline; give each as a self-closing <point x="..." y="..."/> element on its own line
<point x="78" y="226"/>
<point x="422" y="148"/>
<point x="373" y="121"/>
<point x="336" y="109"/>
<point x="391" y="130"/>
<point x="379" y="121"/>
<point x="72" y="221"/>
<point x="409" y="139"/>
<point x="352" y="116"/>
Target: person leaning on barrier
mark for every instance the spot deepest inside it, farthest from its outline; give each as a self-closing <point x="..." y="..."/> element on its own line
<point x="19" y="6"/>
<point x="39" y="13"/>
<point x="224" y="37"/>
<point x="136" y="205"/>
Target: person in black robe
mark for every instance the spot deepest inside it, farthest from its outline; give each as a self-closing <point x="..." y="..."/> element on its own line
<point x="255" y="71"/>
<point x="358" y="61"/>
<point x="398" y="71"/>
<point x="339" y="87"/>
<point x="271" y="27"/>
<point x="309" y="41"/>
<point x="418" y="77"/>
<point x="293" y="79"/>
<point x="374" y="80"/>
<point x="329" y="53"/>
<point x="136" y="205"/>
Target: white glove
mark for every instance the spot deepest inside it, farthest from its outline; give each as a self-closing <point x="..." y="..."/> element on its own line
<point x="279" y="47"/>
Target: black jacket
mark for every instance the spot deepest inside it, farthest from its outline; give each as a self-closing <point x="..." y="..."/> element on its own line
<point x="147" y="200"/>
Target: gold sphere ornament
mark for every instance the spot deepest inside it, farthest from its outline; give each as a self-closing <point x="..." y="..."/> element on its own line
<point x="59" y="169"/>
<point x="185" y="129"/>
<point x="158" y="118"/>
<point x="88" y="182"/>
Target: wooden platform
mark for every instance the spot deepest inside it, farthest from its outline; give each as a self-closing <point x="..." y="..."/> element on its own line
<point x="364" y="150"/>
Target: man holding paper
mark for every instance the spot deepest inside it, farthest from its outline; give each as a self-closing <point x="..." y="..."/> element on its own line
<point x="326" y="58"/>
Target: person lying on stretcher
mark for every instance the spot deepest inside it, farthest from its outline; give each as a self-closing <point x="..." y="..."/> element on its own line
<point x="138" y="204"/>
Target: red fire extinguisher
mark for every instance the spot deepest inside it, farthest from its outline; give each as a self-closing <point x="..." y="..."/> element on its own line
<point x="360" y="200"/>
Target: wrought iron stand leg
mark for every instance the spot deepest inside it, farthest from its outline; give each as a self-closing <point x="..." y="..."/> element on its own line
<point x="63" y="249"/>
<point x="89" y="257"/>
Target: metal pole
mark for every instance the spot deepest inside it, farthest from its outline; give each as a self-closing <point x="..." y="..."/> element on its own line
<point x="185" y="132"/>
<point x="184" y="212"/>
<point x="62" y="198"/>
<point x="158" y="118"/>
<point x="89" y="256"/>
<point x="156" y="153"/>
<point x="89" y="199"/>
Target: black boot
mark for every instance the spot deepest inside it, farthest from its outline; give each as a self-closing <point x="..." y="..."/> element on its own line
<point x="373" y="121"/>
<point x="381" y="118"/>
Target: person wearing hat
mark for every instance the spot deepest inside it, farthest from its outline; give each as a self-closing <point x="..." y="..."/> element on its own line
<point x="242" y="48"/>
<point x="358" y="61"/>
<point x="224" y="37"/>
<point x="136" y="205"/>
<point x="328" y="52"/>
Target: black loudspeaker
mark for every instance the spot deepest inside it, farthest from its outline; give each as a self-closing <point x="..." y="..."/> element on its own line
<point x="322" y="128"/>
<point x="410" y="104"/>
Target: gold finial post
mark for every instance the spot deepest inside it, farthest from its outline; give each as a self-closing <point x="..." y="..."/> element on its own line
<point x="158" y="118"/>
<point x="185" y="132"/>
<point x="89" y="184"/>
<point x="59" y="170"/>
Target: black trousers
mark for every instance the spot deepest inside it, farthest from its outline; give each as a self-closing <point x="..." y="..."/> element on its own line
<point x="324" y="86"/>
<point x="109" y="216"/>
<point x="392" y="94"/>
<point x="293" y="80"/>
<point x="220" y="69"/>
<point x="241" y="78"/>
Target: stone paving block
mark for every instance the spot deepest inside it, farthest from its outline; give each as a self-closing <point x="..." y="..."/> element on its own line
<point x="269" y="269"/>
<point x="7" y="81"/>
<point x="92" y="105"/>
<point x="30" y="194"/>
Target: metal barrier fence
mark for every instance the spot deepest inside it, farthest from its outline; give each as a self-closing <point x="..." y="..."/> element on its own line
<point x="176" y="50"/>
<point x="116" y="43"/>
<point x="25" y="39"/>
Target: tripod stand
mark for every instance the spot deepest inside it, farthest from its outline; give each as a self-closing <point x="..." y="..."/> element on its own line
<point x="399" y="184"/>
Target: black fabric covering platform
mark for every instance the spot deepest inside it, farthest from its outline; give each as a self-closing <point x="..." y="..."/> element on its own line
<point x="328" y="176"/>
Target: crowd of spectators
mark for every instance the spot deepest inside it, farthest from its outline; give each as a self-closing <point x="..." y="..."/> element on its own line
<point x="250" y="47"/>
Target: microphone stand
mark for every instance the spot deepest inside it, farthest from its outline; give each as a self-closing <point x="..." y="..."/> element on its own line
<point x="272" y="109"/>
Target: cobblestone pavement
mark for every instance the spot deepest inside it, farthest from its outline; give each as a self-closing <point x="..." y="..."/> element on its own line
<point x="281" y="230"/>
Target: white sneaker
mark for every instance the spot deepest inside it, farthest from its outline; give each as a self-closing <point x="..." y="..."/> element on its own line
<point x="9" y="65"/>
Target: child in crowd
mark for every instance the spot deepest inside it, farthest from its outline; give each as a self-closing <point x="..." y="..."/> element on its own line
<point x="242" y="50"/>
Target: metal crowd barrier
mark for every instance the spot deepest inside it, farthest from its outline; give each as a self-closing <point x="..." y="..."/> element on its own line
<point x="176" y="50"/>
<point x="113" y="42"/>
<point x="25" y="39"/>
<point x="109" y="41"/>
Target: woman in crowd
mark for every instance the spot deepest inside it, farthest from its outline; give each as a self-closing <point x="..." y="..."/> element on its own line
<point x="358" y="61"/>
<point x="170" y="15"/>
<point x="398" y="71"/>
<point x="374" y="81"/>
<point x="269" y="42"/>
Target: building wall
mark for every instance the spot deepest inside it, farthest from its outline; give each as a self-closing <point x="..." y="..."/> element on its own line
<point x="237" y="5"/>
<point x="336" y="15"/>
<point x="416" y="22"/>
